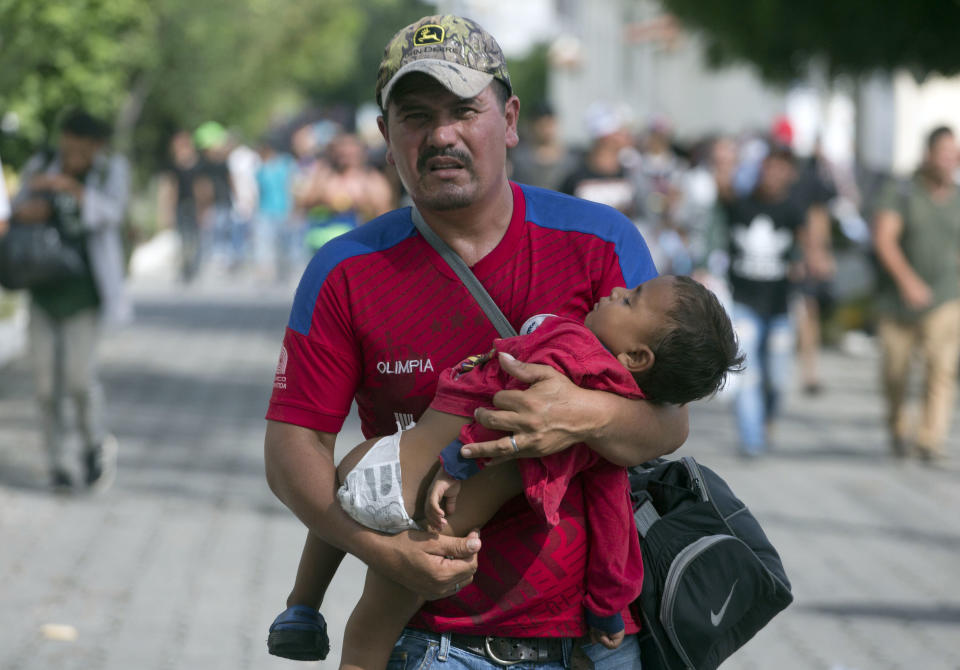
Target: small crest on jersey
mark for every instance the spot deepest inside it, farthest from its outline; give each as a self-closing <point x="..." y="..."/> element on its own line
<point x="280" y="380"/>
<point x="474" y="362"/>
<point x="533" y="323"/>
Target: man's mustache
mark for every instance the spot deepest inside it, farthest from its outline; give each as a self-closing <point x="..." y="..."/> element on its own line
<point x="446" y="152"/>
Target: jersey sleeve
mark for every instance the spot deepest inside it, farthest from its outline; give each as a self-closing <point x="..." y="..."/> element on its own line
<point x="632" y="263"/>
<point x="320" y="364"/>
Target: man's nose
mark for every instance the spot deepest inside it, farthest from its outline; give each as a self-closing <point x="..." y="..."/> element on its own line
<point x="444" y="132"/>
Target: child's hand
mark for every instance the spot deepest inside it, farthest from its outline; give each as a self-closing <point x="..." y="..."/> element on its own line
<point x="441" y="499"/>
<point x="608" y="640"/>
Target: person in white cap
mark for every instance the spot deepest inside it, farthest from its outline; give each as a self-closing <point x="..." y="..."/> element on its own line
<point x="378" y="314"/>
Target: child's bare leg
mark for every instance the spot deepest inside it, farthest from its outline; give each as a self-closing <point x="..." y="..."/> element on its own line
<point x="420" y="447"/>
<point x="318" y="564"/>
<point x="319" y="561"/>
<point x="376" y="622"/>
<point x="385" y="606"/>
<point x="482" y="495"/>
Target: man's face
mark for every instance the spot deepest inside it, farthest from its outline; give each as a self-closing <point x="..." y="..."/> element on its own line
<point x="629" y="318"/>
<point x="776" y="175"/>
<point x="943" y="157"/>
<point x="77" y="153"/>
<point x="347" y="152"/>
<point x="449" y="152"/>
<point x="545" y="129"/>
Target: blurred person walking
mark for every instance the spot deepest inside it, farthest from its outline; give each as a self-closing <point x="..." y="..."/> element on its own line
<point x="707" y="188"/>
<point x="277" y="243"/>
<point x="83" y="191"/>
<point x="814" y="190"/>
<point x="760" y="233"/>
<point x="178" y="205"/>
<point x="917" y="242"/>
<point x="601" y="174"/>
<point x="344" y="191"/>
<point x="541" y="158"/>
<point x="215" y="196"/>
<point x="242" y="164"/>
<point x="660" y="175"/>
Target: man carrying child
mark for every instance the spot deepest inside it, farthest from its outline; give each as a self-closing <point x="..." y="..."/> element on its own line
<point x="378" y="315"/>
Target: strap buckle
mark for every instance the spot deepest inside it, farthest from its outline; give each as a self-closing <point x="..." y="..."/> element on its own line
<point x="493" y="656"/>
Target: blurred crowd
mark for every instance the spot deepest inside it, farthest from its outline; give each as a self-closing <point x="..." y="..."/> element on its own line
<point x="783" y="240"/>
<point x="271" y="203"/>
<point x="268" y="207"/>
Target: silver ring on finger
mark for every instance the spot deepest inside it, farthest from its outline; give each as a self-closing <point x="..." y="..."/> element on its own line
<point x="513" y="441"/>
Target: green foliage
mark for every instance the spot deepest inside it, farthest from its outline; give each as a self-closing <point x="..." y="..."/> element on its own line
<point x="783" y="38"/>
<point x="59" y="54"/>
<point x="154" y="66"/>
<point x="529" y="77"/>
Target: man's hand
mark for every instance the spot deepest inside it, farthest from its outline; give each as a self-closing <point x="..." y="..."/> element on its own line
<point x="916" y="293"/>
<point x="434" y="566"/>
<point x="551" y="415"/>
<point x="441" y="499"/>
<point x="33" y="210"/>
<point x="57" y="183"/>
<point x="554" y="413"/>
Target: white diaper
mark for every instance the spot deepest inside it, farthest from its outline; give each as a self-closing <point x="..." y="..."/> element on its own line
<point x="372" y="492"/>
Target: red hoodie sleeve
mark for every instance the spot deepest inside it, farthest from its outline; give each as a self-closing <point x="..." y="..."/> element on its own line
<point x="614" y="565"/>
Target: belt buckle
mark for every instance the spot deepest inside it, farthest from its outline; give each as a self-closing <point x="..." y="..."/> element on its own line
<point x="494" y="657"/>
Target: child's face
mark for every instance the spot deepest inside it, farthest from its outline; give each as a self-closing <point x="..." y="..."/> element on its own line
<point x="629" y="321"/>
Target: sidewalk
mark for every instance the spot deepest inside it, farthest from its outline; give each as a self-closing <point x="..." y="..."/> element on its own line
<point x="184" y="563"/>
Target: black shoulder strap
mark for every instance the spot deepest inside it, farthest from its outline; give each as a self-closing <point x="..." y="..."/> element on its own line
<point x="469" y="280"/>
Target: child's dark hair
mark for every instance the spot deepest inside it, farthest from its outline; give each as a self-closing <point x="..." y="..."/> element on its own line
<point x="697" y="349"/>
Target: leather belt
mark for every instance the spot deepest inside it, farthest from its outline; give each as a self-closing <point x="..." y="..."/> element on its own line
<point x="510" y="650"/>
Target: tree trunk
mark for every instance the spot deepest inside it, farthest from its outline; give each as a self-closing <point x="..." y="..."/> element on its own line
<point x="130" y="111"/>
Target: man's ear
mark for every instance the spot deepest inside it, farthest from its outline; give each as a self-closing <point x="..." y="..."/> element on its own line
<point x="639" y="360"/>
<point x="512" y="115"/>
<point x="382" y="125"/>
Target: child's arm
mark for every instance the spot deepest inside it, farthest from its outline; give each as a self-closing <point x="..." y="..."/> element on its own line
<point x="554" y="413"/>
<point x="615" y="565"/>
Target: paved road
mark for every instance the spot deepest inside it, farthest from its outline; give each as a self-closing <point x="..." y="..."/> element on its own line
<point x="183" y="564"/>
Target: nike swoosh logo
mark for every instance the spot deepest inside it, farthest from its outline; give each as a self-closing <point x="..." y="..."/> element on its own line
<point x="717" y="617"/>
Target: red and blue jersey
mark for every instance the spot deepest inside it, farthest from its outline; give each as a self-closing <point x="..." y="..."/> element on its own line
<point x="379" y="314"/>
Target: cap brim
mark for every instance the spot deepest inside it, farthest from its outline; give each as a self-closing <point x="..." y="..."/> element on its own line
<point x="462" y="81"/>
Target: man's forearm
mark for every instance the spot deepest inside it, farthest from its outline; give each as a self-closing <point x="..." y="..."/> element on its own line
<point x="301" y="473"/>
<point x="887" y="231"/>
<point x="636" y="431"/>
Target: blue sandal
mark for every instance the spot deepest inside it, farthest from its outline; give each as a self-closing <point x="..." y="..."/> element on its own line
<point x="300" y="634"/>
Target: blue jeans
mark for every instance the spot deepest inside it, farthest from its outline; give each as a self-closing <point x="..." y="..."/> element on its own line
<point x="420" y="650"/>
<point x="768" y="343"/>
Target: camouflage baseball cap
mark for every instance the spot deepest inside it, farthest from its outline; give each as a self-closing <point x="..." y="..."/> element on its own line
<point x="453" y="50"/>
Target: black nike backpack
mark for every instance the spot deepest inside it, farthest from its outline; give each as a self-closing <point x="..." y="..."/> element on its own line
<point x="711" y="577"/>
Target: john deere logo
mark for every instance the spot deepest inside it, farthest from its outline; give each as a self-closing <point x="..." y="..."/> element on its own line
<point x="429" y="34"/>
